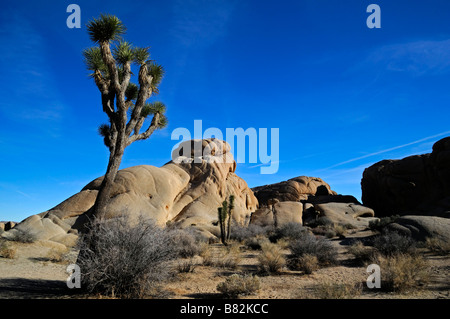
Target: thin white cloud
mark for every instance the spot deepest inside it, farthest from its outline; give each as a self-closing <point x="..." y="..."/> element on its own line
<point x="387" y="150"/>
<point x="417" y="57"/>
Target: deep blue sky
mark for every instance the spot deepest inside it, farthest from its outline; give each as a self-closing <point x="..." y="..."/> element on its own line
<point x="342" y="95"/>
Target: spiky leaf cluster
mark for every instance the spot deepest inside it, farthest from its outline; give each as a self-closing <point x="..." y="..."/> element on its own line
<point x="123" y="100"/>
<point x="107" y="28"/>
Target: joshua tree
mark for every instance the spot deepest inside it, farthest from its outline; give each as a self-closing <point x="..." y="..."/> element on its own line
<point x="225" y="217"/>
<point x="124" y="102"/>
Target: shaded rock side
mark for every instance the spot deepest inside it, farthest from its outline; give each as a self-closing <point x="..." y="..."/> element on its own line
<point x="415" y="185"/>
<point x="186" y="192"/>
<point x="357" y="216"/>
<point x="422" y="227"/>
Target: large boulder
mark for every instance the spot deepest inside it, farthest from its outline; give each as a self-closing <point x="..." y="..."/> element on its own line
<point x="303" y="200"/>
<point x="295" y="189"/>
<point x="422" y="227"/>
<point x="278" y="214"/>
<point x="415" y="185"/>
<point x="185" y="192"/>
<point x="357" y="216"/>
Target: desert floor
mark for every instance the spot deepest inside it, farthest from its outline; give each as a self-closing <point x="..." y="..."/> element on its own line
<point x="33" y="273"/>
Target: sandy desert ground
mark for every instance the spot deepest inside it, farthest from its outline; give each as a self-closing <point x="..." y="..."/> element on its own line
<point x="34" y="273"/>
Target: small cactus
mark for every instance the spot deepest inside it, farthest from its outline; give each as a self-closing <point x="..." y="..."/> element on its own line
<point x="225" y="216"/>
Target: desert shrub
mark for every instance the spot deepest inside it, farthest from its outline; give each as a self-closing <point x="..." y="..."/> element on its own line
<point x="6" y="251"/>
<point x="241" y="233"/>
<point x="326" y="231"/>
<point x="437" y="245"/>
<point x="230" y="257"/>
<point x="361" y="253"/>
<point x="391" y="243"/>
<point x="340" y="230"/>
<point x="321" y="221"/>
<point x="237" y="285"/>
<point x="271" y="258"/>
<point x="185" y="243"/>
<point x="289" y="231"/>
<point x="23" y="236"/>
<point x="256" y="242"/>
<point x="223" y="257"/>
<point x="306" y="263"/>
<point x="403" y="272"/>
<point x="57" y="255"/>
<point x="122" y="259"/>
<point x="335" y="290"/>
<point x="186" y="266"/>
<point x="379" y="224"/>
<point x="320" y="247"/>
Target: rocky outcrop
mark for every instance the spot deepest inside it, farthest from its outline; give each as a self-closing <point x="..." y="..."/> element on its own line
<point x="415" y="185"/>
<point x="184" y="192"/>
<point x="294" y="189"/>
<point x="422" y="227"/>
<point x="304" y="200"/>
<point x="5" y="226"/>
<point x="278" y="214"/>
<point x="357" y="216"/>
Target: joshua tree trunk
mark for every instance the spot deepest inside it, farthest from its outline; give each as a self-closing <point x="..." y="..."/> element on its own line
<point x="123" y="101"/>
<point x="104" y="193"/>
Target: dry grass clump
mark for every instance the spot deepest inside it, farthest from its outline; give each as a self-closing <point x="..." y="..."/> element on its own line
<point x="307" y="263"/>
<point x="271" y="258"/>
<point x="403" y="272"/>
<point x="6" y="251"/>
<point x="438" y="246"/>
<point x="223" y="256"/>
<point x="334" y="290"/>
<point x="57" y="255"/>
<point x="362" y="253"/>
<point x="239" y="285"/>
<point x="186" y="265"/>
